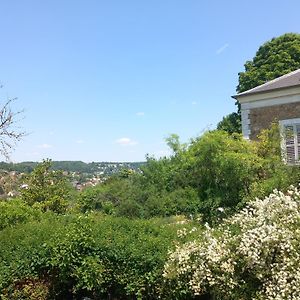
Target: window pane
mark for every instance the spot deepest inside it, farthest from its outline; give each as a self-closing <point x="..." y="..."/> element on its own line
<point x="290" y="143"/>
<point x="298" y="133"/>
<point x="290" y="154"/>
<point x="289" y="135"/>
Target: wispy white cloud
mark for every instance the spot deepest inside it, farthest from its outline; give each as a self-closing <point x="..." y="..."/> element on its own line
<point x="79" y="141"/>
<point x="222" y="49"/>
<point x="124" y="141"/>
<point x="140" y="114"/>
<point x="45" y="146"/>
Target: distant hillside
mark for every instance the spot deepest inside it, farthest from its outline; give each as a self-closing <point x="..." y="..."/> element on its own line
<point x="105" y="168"/>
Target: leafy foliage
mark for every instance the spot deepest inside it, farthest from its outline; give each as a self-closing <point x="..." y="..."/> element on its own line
<point x="222" y="169"/>
<point x="47" y="189"/>
<point x="107" y="244"/>
<point x="94" y="256"/>
<point x="273" y="59"/>
<point x="231" y="123"/>
<point x="215" y="170"/>
<point x="16" y="211"/>
<point x="22" y="255"/>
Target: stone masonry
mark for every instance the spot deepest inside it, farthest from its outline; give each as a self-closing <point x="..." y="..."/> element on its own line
<point x="262" y="117"/>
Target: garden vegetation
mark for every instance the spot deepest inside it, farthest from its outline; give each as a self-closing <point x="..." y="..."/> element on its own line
<point x="185" y="227"/>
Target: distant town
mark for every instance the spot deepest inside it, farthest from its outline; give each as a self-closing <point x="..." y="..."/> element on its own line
<point x="80" y="174"/>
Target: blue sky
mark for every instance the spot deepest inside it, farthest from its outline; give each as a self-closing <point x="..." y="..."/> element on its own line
<point x="110" y="80"/>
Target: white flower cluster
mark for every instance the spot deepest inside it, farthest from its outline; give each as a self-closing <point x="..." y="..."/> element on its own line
<point x="254" y="255"/>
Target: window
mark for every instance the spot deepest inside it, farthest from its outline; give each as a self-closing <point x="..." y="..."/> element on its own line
<point x="290" y="143"/>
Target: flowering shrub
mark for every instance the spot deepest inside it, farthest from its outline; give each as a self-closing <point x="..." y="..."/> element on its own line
<point x="252" y="255"/>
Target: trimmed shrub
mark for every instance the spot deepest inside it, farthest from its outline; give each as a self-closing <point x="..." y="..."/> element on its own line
<point x="92" y="256"/>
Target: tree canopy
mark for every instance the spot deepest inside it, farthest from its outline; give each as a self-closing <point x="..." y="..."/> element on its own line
<point x="273" y="59"/>
<point x="231" y="123"/>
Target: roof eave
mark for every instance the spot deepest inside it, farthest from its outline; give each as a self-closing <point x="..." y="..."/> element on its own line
<point x="245" y="94"/>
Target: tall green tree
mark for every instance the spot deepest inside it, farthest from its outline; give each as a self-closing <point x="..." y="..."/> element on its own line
<point x="273" y="59"/>
<point x="231" y="123"/>
<point x="277" y="57"/>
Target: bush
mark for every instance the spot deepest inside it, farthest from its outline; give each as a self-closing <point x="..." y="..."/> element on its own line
<point x="253" y="255"/>
<point x="107" y="196"/>
<point x="22" y="254"/>
<point x="274" y="173"/>
<point x="15" y="211"/>
<point x="87" y="256"/>
<point x="47" y="189"/>
<point x="183" y="201"/>
<point x="216" y="171"/>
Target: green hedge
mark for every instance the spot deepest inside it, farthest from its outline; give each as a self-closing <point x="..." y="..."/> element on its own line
<point x="15" y="211"/>
<point x="94" y="256"/>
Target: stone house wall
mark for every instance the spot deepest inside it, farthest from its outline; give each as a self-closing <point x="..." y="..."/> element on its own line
<point x="261" y="118"/>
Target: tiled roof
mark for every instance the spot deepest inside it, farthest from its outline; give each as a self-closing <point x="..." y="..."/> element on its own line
<point x="288" y="80"/>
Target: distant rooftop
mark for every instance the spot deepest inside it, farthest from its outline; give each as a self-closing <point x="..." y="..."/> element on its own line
<point x="288" y="80"/>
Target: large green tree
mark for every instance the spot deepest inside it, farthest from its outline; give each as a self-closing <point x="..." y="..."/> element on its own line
<point x="231" y="123"/>
<point x="273" y="59"/>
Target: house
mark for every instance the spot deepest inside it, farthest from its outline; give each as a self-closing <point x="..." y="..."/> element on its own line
<point x="278" y="99"/>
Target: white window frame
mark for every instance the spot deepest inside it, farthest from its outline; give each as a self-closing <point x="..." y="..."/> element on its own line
<point x="293" y="123"/>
